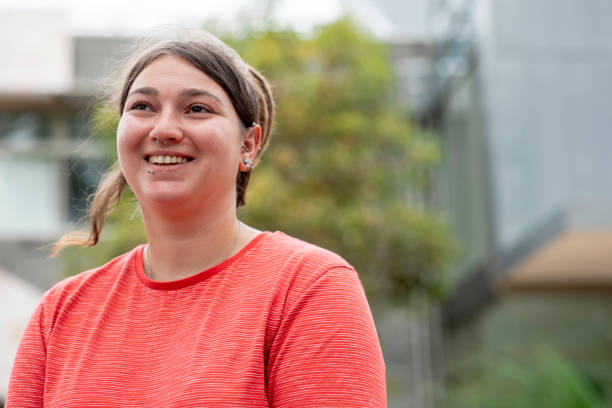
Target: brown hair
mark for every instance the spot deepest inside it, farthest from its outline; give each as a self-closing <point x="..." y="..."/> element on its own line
<point x="247" y="89"/>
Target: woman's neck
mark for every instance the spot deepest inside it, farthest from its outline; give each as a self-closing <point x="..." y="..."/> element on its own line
<point x="181" y="246"/>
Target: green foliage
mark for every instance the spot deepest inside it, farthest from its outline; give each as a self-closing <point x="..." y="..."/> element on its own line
<point x="104" y="124"/>
<point x="343" y="160"/>
<point x="545" y="380"/>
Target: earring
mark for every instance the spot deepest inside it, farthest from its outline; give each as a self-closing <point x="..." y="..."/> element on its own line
<point x="245" y="161"/>
<point x="246" y="149"/>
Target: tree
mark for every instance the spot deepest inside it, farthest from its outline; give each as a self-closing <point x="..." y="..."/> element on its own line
<point x="342" y="161"/>
<point x="345" y="157"/>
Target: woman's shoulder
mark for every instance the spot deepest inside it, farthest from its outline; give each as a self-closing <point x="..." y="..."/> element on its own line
<point x="101" y="277"/>
<point x="283" y="252"/>
<point x="281" y="243"/>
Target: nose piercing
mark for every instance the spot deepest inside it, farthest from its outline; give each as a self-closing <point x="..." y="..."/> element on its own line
<point x="165" y="141"/>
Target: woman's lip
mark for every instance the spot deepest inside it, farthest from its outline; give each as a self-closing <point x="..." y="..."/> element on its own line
<point x="167" y="153"/>
<point x="166" y="158"/>
<point x="166" y="164"/>
<point x="154" y="168"/>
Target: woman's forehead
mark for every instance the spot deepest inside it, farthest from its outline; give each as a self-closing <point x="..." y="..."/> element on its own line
<point x="170" y="72"/>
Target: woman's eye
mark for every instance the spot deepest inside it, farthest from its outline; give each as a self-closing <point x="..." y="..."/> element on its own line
<point x="199" y="109"/>
<point x="140" y="106"/>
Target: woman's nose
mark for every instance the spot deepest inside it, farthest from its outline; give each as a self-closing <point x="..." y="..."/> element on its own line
<point x="167" y="129"/>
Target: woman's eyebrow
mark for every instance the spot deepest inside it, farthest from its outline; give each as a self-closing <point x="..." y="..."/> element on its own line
<point x="190" y="92"/>
<point x="146" y="90"/>
<point x="200" y="92"/>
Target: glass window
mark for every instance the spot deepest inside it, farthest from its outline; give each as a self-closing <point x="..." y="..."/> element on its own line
<point x="80" y="126"/>
<point x="23" y="128"/>
<point x="30" y="199"/>
<point x="84" y="177"/>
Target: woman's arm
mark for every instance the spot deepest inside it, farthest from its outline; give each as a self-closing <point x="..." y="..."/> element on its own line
<point x="326" y="352"/>
<point x="26" y="385"/>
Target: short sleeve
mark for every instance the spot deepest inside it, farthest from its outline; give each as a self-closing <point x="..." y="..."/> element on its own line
<point x="326" y="352"/>
<point x="26" y="385"/>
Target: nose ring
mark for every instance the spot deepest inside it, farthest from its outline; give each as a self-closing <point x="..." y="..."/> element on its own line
<point x="165" y="141"/>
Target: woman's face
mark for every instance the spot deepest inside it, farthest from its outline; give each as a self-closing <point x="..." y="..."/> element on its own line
<point x="179" y="138"/>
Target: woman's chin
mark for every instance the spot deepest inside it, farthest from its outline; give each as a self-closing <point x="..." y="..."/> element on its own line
<point x="163" y="197"/>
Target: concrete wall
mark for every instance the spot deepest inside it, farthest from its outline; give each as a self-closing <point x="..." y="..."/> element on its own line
<point x="462" y="182"/>
<point x="40" y="53"/>
<point x="545" y="71"/>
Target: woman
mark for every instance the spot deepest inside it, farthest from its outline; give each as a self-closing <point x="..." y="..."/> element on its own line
<point x="211" y="312"/>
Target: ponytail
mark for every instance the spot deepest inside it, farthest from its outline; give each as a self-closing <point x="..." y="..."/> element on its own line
<point x="103" y="203"/>
<point x="266" y="111"/>
<point x="265" y="119"/>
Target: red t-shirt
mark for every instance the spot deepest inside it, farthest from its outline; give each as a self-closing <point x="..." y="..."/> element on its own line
<point x="281" y="324"/>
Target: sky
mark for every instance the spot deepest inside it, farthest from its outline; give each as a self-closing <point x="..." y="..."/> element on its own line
<point x="127" y="17"/>
<point x="122" y="16"/>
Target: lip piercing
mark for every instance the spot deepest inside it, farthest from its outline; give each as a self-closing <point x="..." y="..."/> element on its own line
<point x="150" y="172"/>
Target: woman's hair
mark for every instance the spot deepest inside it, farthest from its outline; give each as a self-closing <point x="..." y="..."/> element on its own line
<point x="247" y="89"/>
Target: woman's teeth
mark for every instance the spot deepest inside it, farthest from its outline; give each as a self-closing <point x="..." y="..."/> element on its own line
<point x="167" y="160"/>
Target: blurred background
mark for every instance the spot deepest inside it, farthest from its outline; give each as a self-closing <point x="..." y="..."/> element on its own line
<point x="455" y="151"/>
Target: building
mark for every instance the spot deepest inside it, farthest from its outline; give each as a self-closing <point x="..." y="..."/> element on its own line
<point x="518" y="94"/>
<point x="523" y="111"/>
<point x="50" y="162"/>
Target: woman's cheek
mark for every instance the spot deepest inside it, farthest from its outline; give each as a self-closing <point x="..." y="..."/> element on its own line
<point x="127" y="145"/>
<point x="120" y="145"/>
<point x="222" y="143"/>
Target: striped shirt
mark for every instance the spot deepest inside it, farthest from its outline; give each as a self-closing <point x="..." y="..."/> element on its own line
<point x="282" y="323"/>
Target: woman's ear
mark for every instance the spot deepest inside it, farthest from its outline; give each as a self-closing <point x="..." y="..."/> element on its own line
<point x="251" y="147"/>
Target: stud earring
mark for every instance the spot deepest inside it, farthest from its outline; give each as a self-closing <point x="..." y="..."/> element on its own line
<point x="246" y="149"/>
<point x="245" y="161"/>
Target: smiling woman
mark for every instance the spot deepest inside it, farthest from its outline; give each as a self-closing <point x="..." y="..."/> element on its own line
<point x="180" y="141"/>
<point x="210" y="312"/>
